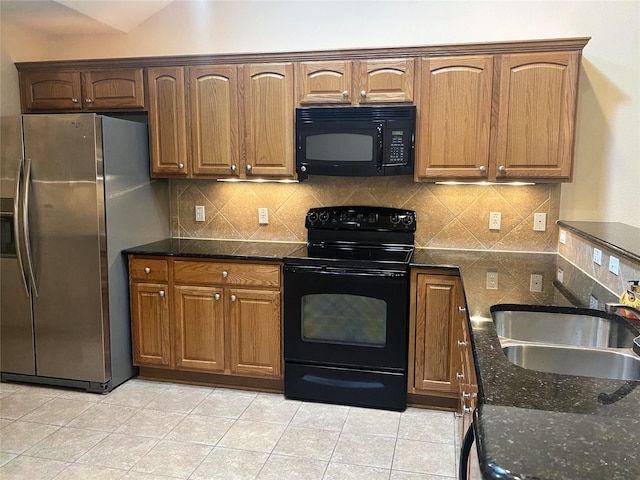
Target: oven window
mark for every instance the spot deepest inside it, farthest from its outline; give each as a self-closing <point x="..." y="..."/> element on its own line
<point x="344" y="319"/>
<point x="340" y="147"/>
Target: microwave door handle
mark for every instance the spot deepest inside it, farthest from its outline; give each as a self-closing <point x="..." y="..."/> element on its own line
<point x="380" y="140"/>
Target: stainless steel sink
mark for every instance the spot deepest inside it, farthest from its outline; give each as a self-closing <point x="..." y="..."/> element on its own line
<point x="564" y="329"/>
<point x="586" y="362"/>
<point x="569" y="342"/>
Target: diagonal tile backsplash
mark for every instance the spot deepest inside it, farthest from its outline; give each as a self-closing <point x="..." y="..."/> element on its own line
<point x="449" y="216"/>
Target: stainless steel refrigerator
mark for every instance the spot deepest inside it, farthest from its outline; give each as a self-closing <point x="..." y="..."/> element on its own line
<point x="74" y="191"/>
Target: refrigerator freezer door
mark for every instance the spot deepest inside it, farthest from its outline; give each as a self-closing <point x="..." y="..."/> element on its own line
<point x="16" y="324"/>
<point x="67" y="236"/>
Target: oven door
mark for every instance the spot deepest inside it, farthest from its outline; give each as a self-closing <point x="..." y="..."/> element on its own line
<point x="346" y="317"/>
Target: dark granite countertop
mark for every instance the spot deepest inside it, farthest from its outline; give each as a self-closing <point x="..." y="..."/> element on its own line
<point x="222" y="249"/>
<point x="534" y="425"/>
<point x="529" y="425"/>
<point x="618" y="237"/>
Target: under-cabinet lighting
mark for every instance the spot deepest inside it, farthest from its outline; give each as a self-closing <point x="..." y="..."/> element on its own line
<point x="517" y="184"/>
<point x="255" y="180"/>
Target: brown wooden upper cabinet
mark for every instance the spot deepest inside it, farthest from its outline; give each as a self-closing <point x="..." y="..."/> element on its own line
<point x="91" y="90"/>
<point x="527" y="133"/>
<point x="355" y="82"/>
<point x="239" y="122"/>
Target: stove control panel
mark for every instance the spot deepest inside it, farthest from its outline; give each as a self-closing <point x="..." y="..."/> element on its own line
<point x="361" y="218"/>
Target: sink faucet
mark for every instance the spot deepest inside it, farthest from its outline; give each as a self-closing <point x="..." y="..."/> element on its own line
<point x="617" y="307"/>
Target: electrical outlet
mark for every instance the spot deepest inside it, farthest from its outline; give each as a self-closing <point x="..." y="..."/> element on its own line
<point x="614" y="265"/>
<point x="593" y="302"/>
<point x="495" y="218"/>
<point x="492" y="280"/>
<point x="539" y="222"/>
<point x="199" y="213"/>
<point x="560" y="275"/>
<point x="263" y="216"/>
<point x="597" y="256"/>
<point x="563" y="237"/>
<point x="535" y="284"/>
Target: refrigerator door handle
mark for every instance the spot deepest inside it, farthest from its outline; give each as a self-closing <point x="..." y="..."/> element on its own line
<point x="25" y="225"/>
<point x="17" y="225"/>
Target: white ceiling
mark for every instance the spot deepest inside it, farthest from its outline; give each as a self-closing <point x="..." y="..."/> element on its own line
<point x="73" y="17"/>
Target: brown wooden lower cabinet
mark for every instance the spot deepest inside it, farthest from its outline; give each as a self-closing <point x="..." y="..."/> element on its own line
<point x="219" y="319"/>
<point x="437" y="312"/>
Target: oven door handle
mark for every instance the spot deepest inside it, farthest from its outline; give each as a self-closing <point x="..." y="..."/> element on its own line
<point x="346" y="271"/>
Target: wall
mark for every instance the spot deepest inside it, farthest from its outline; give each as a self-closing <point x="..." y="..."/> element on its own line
<point x="606" y="175"/>
<point x="448" y="216"/>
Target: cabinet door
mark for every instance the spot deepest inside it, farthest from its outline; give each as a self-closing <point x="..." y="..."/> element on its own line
<point x="269" y="117"/>
<point x="51" y="90"/>
<point x="199" y="326"/>
<point x="324" y="82"/>
<point x="167" y="121"/>
<point x="437" y="359"/>
<point x="536" y="115"/>
<point x="383" y="81"/>
<point x="113" y="89"/>
<point x="213" y="92"/>
<point x="150" y="325"/>
<point x="455" y="117"/>
<point x="254" y="316"/>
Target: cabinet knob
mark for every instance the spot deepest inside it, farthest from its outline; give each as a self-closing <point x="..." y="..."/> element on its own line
<point x="466" y="395"/>
<point x="502" y="169"/>
<point x="147" y="269"/>
<point x="459" y="375"/>
<point x="248" y="168"/>
<point x="482" y="169"/>
<point x="233" y="168"/>
<point x="88" y="100"/>
<point x="363" y="94"/>
<point x="225" y="274"/>
<point x="467" y="409"/>
<point x="462" y="343"/>
<point x="233" y="298"/>
<point x="217" y="296"/>
<point x="462" y="309"/>
<point x="181" y="166"/>
<point x="303" y="168"/>
<point x="345" y="94"/>
<point x="161" y="293"/>
<point x="74" y="100"/>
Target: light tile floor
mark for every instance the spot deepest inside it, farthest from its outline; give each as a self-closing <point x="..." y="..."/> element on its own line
<point x="150" y="430"/>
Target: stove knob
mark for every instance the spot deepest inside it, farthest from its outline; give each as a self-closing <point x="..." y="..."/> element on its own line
<point x="407" y="219"/>
<point x="313" y="217"/>
<point x="324" y="216"/>
<point x="395" y="218"/>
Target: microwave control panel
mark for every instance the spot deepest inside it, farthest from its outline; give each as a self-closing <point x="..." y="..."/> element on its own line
<point x="399" y="146"/>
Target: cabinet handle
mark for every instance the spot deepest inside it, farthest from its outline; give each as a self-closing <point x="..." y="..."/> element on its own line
<point x="363" y="94"/>
<point x="457" y="414"/>
<point x="462" y="309"/>
<point x="181" y="166"/>
<point x="233" y="298"/>
<point x="502" y="169"/>
<point x="217" y="296"/>
<point x="459" y="375"/>
<point x="225" y="274"/>
<point x="482" y="169"/>
<point x="466" y="395"/>
<point x="233" y="168"/>
<point x="74" y="100"/>
<point x="147" y="269"/>
<point x="161" y="293"/>
<point x="345" y="94"/>
<point x="88" y="100"/>
<point x="467" y="409"/>
<point x="248" y="168"/>
<point x="462" y="343"/>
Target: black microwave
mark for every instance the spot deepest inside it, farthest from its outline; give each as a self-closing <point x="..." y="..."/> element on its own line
<point x="355" y="141"/>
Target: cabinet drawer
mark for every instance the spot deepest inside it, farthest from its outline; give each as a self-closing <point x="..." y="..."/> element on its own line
<point x="147" y="269"/>
<point x="224" y="273"/>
